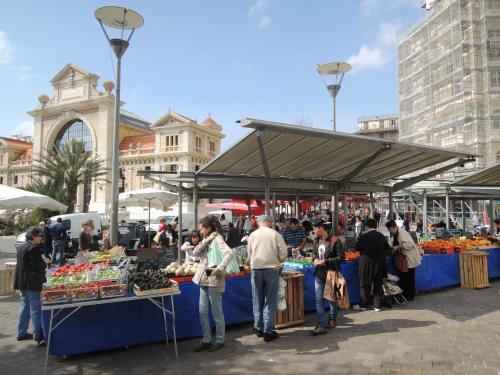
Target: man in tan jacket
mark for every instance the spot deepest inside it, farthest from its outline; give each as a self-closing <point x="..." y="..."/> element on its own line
<point x="266" y="250"/>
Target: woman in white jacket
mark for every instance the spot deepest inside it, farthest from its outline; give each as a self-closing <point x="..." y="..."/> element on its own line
<point x="403" y="242"/>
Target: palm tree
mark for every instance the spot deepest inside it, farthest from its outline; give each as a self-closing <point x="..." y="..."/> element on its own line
<point x="71" y="164"/>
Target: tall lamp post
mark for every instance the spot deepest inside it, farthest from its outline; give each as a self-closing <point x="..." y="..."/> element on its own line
<point x="122" y="19"/>
<point x="337" y="69"/>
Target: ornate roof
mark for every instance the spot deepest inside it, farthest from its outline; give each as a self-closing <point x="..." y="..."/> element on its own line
<point x="209" y="122"/>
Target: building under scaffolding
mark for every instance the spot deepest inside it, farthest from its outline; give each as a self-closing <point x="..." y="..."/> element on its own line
<point x="449" y="79"/>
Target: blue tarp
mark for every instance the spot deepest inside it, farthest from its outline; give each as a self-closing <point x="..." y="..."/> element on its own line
<point x="117" y="325"/>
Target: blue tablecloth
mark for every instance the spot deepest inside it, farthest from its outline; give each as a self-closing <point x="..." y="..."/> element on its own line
<point x="117" y="325"/>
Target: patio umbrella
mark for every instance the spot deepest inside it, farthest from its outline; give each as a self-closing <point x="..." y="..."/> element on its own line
<point x="12" y="199"/>
<point x="155" y="198"/>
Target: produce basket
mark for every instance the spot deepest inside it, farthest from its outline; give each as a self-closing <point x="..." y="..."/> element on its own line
<point x="85" y="293"/>
<point x="173" y="288"/>
<point x="111" y="291"/>
<point x="56" y="296"/>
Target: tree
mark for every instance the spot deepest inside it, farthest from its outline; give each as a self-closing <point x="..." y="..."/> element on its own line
<point x="68" y="166"/>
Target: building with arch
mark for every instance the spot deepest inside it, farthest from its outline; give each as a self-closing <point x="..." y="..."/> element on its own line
<point x="77" y="110"/>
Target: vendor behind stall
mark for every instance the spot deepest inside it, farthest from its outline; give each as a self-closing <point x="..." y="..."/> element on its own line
<point x="85" y="243"/>
<point x="188" y="246"/>
<point x="495" y="232"/>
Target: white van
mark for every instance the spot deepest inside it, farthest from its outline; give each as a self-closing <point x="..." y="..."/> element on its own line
<point x="73" y="223"/>
<point x="188" y="223"/>
<point x="225" y="217"/>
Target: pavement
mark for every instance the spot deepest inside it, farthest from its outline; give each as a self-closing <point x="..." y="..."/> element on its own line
<point x="450" y="331"/>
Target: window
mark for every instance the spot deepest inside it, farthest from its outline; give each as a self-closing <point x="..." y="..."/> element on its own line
<point x="172" y="140"/>
<point x="196" y="168"/>
<point x="148" y="167"/>
<point x="212" y="146"/>
<point x="173" y="167"/>
<point x="75" y="130"/>
<point x="197" y="141"/>
<point x="495" y="78"/>
<point x="16" y="180"/>
<point x="222" y="217"/>
<point x="1" y="180"/>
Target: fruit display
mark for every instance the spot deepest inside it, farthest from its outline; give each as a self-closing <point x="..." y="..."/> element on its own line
<point x="85" y="292"/>
<point x="69" y="269"/>
<point x="96" y="257"/>
<point x="149" y="279"/>
<point x="453" y="245"/>
<point x="113" y="290"/>
<point x="179" y="270"/>
<point x="299" y="263"/>
<point x="352" y="255"/>
<point x="108" y="274"/>
<point x="59" y="294"/>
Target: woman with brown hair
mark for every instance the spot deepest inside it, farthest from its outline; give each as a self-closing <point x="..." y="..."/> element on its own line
<point x="210" y="278"/>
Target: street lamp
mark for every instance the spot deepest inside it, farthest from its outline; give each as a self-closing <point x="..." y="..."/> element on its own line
<point x="337" y="69"/>
<point x="122" y="19"/>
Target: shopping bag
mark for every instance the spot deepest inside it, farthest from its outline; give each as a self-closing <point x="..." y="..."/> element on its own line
<point x="215" y="257"/>
<point x="156" y="238"/>
<point x="400" y="262"/>
<point x="329" y="286"/>
<point x="341" y="293"/>
<point x="281" y="295"/>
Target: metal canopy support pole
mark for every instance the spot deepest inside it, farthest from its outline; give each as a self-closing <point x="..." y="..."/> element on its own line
<point x="391" y="209"/>
<point x="462" y="208"/>
<point x="195" y="204"/>
<point x="179" y="225"/>
<point x="424" y="216"/>
<point x="447" y="208"/>
<point x="267" y="196"/>
<point x="492" y="216"/>
<point x="334" y="214"/>
<point x="297" y="210"/>
<point x="345" y="213"/>
<point x="371" y="205"/>
<point x="265" y="166"/>
<point x="273" y="216"/>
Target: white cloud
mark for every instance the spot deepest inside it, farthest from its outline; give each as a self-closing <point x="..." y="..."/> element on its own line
<point x="368" y="58"/>
<point x="24" y="128"/>
<point x="368" y="7"/>
<point x="264" y="22"/>
<point x="6" y="49"/>
<point x="257" y="7"/>
<point x="24" y="72"/>
<point x="388" y="32"/>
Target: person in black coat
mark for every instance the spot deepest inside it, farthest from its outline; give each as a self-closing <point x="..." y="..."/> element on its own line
<point x="47" y="231"/>
<point x="328" y="255"/>
<point x="29" y="278"/>
<point x="373" y="247"/>
<point x="233" y="237"/>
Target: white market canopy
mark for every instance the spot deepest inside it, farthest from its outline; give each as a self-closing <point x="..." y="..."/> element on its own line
<point x="13" y="199"/>
<point x="487" y="178"/>
<point x="308" y="161"/>
<point x="147" y="197"/>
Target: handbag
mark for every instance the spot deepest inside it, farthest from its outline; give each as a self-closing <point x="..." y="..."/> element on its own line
<point x="400" y="262"/>
<point x="215" y="258"/>
<point x="336" y="289"/>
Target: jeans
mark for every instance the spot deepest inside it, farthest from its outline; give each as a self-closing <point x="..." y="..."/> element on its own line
<point x="265" y="284"/>
<point x="30" y="308"/>
<point x="58" y="252"/>
<point x="210" y="294"/>
<point x="319" y="289"/>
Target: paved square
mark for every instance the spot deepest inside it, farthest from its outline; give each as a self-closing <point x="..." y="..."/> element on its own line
<point x="451" y="331"/>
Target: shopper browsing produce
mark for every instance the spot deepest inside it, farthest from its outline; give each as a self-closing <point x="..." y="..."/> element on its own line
<point x="85" y="242"/>
<point x="495" y="232"/>
<point x="189" y="245"/>
<point x="210" y="278"/>
<point x="29" y="278"/>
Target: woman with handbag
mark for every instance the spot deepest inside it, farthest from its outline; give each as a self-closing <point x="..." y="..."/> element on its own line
<point x="372" y="246"/>
<point x="406" y="257"/>
<point x="328" y="255"/>
<point x="214" y="256"/>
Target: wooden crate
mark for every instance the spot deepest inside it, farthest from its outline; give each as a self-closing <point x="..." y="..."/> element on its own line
<point x="474" y="269"/>
<point x="7" y="281"/>
<point x="294" y="314"/>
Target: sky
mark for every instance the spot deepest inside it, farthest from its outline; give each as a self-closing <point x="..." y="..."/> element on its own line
<point x="228" y="58"/>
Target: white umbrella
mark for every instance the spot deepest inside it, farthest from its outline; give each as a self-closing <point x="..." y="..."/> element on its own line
<point x="12" y="199"/>
<point x="148" y="196"/>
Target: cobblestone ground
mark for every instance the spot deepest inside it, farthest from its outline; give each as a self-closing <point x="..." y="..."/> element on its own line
<point x="452" y="331"/>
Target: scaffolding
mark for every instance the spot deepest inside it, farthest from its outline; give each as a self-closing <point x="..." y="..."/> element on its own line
<point x="449" y="79"/>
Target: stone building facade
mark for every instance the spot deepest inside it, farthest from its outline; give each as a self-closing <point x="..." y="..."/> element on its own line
<point x="78" y="110"/>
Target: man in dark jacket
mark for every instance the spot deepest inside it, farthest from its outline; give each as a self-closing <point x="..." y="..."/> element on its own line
<point x="58" y="241"/>
<point x="47" y="231"/>
<point x="373" y="248"/>
<point x="233" y="237"/>
<point x="29" y="278"/>
<point x="328" y="255"/>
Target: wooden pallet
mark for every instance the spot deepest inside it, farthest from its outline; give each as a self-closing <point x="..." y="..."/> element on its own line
<point x="294" y="314"/>
<point x="7" y="281"/>
<point x="474" y="270"/>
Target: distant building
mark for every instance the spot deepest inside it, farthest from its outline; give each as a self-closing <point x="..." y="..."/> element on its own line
<point x="79" y="111"/>
<point x="384" y="126"/>
<point x="449" y="79"/>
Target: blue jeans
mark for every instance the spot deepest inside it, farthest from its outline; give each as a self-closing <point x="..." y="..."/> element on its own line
<point x="209" y="294"/>
<point x="265" y="284"/>
<point x="319" y="289"/>
<point x="58" y="252"/>
<point x="30" y="308"/>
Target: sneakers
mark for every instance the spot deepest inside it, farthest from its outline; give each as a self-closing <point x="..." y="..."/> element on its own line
<point x="376" y="309"/>
<point x="41" y="343"/>
<point x="332" y="323"/>
<point x="258" y="332"/>
<point x="27" y="336"/>
<point x="318" y="331"/>
<point x="270" y="336"/>
<point x="359" y="308"/>
<point x="201" y="347"/>
<point x="218" y="346"/>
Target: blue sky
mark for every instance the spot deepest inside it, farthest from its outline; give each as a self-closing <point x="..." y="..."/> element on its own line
<point x="230" y="58"/>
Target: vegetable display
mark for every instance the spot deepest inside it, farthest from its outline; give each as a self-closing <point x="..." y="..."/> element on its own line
<point x="150" y="279"/>
<point x="182" y="269"/>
